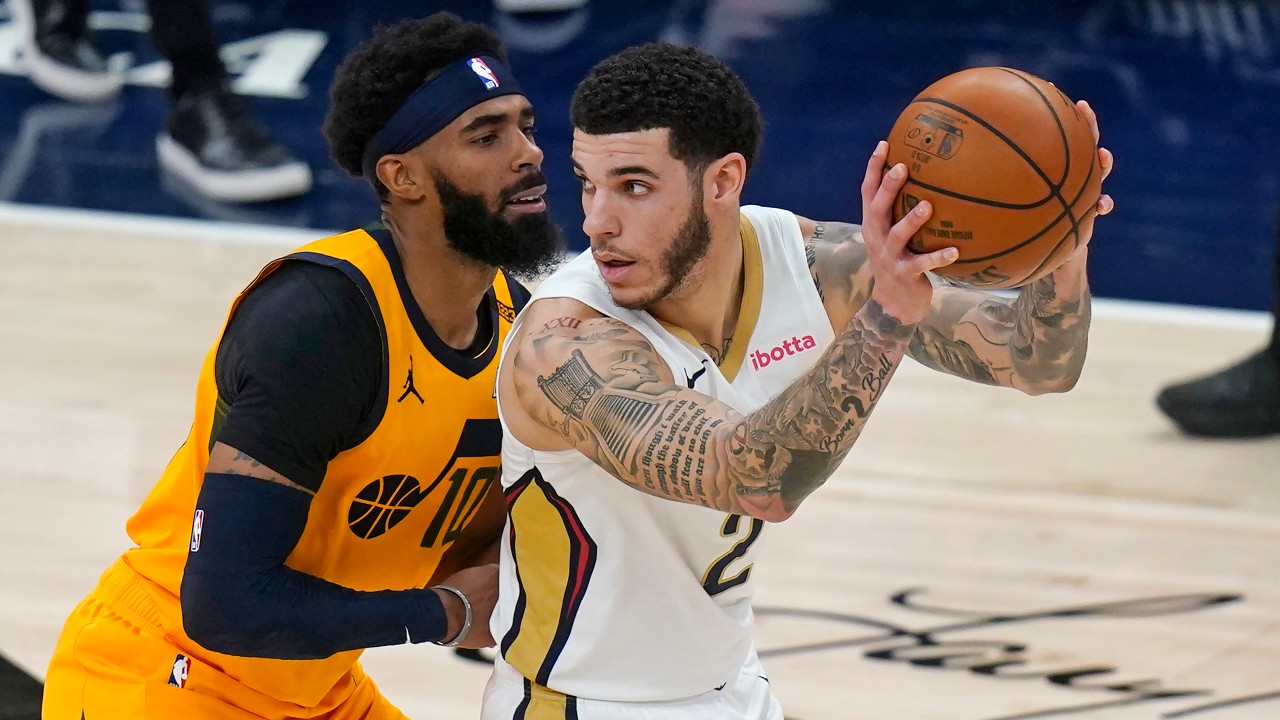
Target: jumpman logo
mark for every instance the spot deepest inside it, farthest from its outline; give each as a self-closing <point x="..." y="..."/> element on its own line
<point x="409" y="389"/>
<point x="692" y="380"/>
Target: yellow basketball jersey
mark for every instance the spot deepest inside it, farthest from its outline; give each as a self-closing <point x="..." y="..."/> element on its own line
<point x="388" y="508"/>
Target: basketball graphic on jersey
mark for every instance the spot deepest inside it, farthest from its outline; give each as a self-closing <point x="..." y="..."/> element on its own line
<point x="382" y="504"/>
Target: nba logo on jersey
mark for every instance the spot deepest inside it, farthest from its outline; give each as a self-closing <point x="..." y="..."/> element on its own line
<point x="197" y="527"/>
<point x="479" y="68"/>
<point x="178" y="675"/>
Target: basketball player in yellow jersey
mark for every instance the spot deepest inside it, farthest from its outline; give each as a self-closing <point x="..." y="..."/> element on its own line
<point x="721" y="356"/>
<point x="345" y="436"/>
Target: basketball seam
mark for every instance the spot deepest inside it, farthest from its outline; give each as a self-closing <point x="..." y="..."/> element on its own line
<point x="1075" y="225"/>
<point x="1065" y="213"/>
<point x="980" y="201"/>
<point x="1055" y="189"/>
<point x="1062" y="131"/>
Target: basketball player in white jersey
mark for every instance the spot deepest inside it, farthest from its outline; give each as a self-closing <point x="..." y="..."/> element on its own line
<point x="724" y="358"/>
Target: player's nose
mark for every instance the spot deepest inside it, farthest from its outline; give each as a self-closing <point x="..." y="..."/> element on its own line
<point x="528" y="154"/>
<point x="600" y="220"/>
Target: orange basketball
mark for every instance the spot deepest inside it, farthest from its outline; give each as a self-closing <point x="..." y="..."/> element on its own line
<point x="1010" y="166"/>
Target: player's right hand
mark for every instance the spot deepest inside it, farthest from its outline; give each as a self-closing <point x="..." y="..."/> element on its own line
<point x="901" y="286"/>
<point x="480" y="585"/>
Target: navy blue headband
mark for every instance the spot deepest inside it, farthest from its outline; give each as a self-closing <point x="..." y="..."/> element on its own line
<point x="438" y="102"/>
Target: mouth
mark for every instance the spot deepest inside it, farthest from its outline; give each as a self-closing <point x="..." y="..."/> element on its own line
<point x="528" y="201"/>
<point x="613" y="268"/>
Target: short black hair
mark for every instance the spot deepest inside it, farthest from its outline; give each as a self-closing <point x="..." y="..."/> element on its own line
<point x="376" y="78"/>
<point x="705" y="104"/>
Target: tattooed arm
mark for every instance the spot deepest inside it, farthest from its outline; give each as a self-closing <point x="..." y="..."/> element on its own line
<point x="603" y="389"/>
<point x="1034" y="342"/>
<point x="601" y="386"/>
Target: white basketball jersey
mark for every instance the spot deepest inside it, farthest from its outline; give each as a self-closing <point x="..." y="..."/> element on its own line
<point x="612" y="594"/>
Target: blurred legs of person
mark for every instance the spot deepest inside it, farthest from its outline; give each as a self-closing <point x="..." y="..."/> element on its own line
<point x="211" y="140"/>
<point x="61" y="53"/>
<point x="1242" y="400"/>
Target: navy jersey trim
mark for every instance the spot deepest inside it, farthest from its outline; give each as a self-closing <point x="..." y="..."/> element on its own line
<point x="520" y="294"/>
<point x="456" y="361"/>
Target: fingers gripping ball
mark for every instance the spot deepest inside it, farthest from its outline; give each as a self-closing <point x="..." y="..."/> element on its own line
<point x="1011" y="167"/>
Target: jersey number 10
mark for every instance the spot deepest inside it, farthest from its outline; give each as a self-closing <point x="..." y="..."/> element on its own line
<point x="459" y="504"/>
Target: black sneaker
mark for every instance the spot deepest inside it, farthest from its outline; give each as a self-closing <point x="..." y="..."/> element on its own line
<point x="61" y="53"/>
<point x="213" y="142"/>
<point x="1240" y="401"/>
<point x="473" y="655"/>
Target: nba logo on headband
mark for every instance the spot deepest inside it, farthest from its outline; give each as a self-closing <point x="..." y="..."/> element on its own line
<point x="479" y="68"/>
<point x="435" y="104"/>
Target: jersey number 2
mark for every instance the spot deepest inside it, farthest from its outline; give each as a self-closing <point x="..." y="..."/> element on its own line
<point x="714" y="580"/>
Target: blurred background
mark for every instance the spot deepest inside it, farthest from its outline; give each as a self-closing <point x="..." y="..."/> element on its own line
<point x="115" y="275"/>
<point x="1188" y="93"/>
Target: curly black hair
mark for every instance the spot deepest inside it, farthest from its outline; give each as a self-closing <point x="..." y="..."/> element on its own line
<point x="660" y="85"/>
<point x="376" y="78"/>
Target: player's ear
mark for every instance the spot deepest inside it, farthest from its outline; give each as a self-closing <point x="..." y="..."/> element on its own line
<point x="725" y="178"/>
<point x="401" y="176"/>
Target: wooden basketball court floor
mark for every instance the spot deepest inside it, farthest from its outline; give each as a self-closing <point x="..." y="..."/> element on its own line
<point x="980" y="556"/>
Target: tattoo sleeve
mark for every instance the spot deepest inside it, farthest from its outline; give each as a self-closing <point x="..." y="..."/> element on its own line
<point x="788" y="448"/>
<point x="838" y="264"/>
<point x="617" y="403"/>
<point x="1051" y="335"/>
<point x="1035" y="342"/>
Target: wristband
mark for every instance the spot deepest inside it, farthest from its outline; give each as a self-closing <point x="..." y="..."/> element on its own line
<point x="466" y="623"/>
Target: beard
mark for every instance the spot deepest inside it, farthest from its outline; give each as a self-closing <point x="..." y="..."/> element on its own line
<point x="691" y="242"/>
<point x="526" y="247"/>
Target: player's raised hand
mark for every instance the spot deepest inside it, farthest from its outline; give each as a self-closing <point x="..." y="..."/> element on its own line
<point x="1106" y="161"/>
<point x="901" y="287"/>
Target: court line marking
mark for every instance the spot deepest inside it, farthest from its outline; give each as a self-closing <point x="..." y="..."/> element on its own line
<point x="181" y="229"/>
<point x="217" y="231"/>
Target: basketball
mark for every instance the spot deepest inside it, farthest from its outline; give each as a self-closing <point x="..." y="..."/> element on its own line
<point x="1011" y="167"/>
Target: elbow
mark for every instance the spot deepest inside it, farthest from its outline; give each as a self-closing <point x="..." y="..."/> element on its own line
<point x="774" y="510"/>
<point x="1066" y="383"/>
<point x="206" y="620"/>
<point x="777" y="516"/>
<point x="201" y="620"/>
<point x="224" y="614"/>
<point x="1061" y="384"/>
<point x="215" y="636"/>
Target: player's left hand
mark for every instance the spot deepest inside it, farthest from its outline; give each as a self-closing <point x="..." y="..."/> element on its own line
<point x="1106" y="161"/>
<point x="1070" y="274"/>
<point x="480" y="585"/>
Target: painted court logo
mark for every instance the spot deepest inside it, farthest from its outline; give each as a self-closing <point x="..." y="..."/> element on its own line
<point x="479" y="68"/>
<point x="762" y="359"/>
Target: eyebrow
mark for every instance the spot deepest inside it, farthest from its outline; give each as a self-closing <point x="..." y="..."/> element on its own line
<point x="496" y="119"/>
<point x="624" y="170"/>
